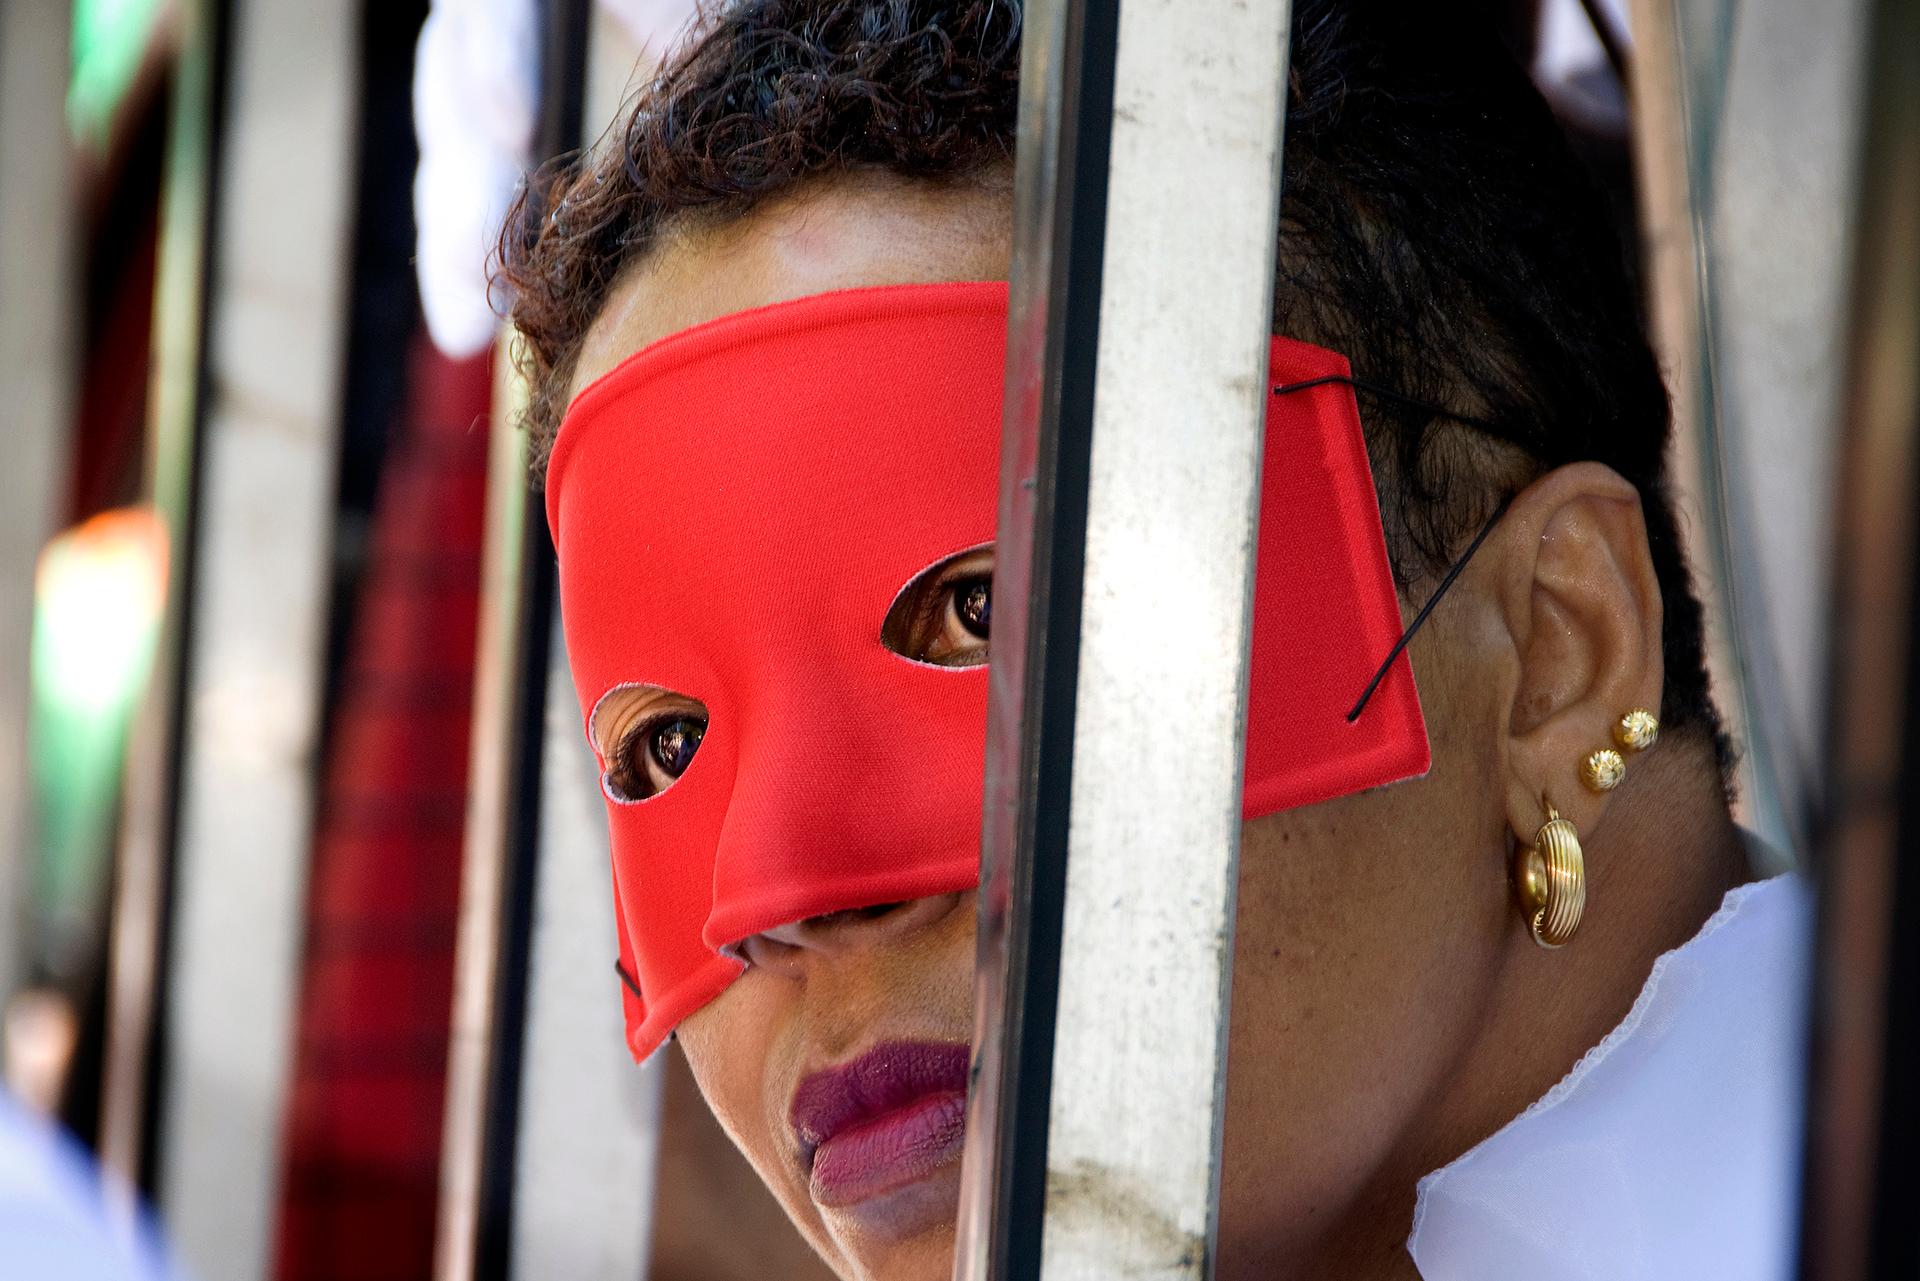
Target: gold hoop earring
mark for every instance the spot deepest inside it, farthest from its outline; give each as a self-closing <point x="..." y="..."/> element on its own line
<point x="1551" y="877"/>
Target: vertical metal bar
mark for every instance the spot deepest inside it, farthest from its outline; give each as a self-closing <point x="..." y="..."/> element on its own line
<point x="1746" y="136"/>
<point x="589" y="1121"/>
<point x="1136" y="399"/>
<point x="150" y="810"/>
<point x="254" y="662"/>
<point x="1864" y="1143"/>
<point x="39" y="288"/>
<point x="503" y="832"/>
<point x="1779" y="230"/>
<point x="1059" y="239"/>
<point x="1671" y="130"/>
<point x="483" y="872"/>
<point x="520" y="848"/>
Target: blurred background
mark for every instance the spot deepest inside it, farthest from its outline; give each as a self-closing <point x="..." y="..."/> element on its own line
<point x="303" y="914"/>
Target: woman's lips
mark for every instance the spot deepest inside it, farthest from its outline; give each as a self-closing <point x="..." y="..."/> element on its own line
<point x="889" y="1118"/>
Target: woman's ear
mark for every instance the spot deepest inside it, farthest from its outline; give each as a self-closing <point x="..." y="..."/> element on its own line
<point x="1582" y="605"/>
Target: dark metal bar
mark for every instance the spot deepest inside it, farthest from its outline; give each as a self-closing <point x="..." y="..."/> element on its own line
<point x="485" y="1076"/>
<point x="522" y="849"/>
<point x="150" y="807"/>
<point x="1864" y="1121"/>
<point x="1060" y="188"/>
<point x="563" y="59"/>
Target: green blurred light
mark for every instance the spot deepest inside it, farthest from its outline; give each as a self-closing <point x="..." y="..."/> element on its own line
<point x="98" y="596"/>
<point x="109" y="40"/>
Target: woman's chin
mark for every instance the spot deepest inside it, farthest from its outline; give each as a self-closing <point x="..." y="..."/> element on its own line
<point x="905" y="1233"/>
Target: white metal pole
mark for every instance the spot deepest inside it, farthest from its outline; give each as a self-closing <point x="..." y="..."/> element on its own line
<point x="1147" y="203"/>
<point x="276" y="322"/>
<point x="1746" y="147"/>
<point x="1179" y="406"/>
<point x="485" y="869"/>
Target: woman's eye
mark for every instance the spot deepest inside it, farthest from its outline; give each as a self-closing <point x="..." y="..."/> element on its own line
<point x="673" y="743"/>
<point x="953" y="631"/>
<point x="652" y="755"/>
<point x="972" y="605"/>
<point x="945" y="614"/>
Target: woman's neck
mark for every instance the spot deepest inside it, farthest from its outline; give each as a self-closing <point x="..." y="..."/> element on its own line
<point x="1658" y="868"/>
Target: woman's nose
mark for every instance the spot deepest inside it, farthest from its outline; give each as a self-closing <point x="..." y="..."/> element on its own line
<point x="855" y="929"/>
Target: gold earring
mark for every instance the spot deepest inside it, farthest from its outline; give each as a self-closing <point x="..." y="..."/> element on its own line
<point x="1638" y="730"/>
<point x="1603" y="770"/>
<point x="1551" y="878"/>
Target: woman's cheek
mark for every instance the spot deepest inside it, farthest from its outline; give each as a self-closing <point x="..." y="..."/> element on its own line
<point x="733" y="1046"/>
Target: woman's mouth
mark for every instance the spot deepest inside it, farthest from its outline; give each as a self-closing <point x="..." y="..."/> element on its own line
<point x="887" y="1119"/>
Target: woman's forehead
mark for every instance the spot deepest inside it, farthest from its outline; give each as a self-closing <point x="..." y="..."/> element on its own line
<point x="845" y="235"/>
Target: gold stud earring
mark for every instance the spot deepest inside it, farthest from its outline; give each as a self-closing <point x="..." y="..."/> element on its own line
<point x="1551" y="877"/>
<point x="1603" y="770"/>
<point x="1638" y="730"/>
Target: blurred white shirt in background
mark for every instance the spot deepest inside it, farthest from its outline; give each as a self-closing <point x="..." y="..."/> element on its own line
<point x="60" y="1217"/>
<point x="475" y="98"/>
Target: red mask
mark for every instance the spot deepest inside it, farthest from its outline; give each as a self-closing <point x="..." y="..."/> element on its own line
<point x="736" y="509"/>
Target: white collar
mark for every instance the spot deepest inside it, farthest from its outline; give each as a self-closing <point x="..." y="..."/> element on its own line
<point x="1672" y="1150"/>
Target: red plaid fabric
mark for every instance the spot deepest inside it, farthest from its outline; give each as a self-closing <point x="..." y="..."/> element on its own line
<point x="363" y="1135"/>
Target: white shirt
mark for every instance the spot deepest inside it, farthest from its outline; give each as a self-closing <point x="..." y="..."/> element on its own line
<point x="59" y="1217"/>
<point x="1672" y="1150"/>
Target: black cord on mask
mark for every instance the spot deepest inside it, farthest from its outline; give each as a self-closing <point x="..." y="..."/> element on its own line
<point x="1387" y="393"/>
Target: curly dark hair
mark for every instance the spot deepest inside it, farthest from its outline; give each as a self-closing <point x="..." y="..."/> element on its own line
<point x="1435" y="229"/>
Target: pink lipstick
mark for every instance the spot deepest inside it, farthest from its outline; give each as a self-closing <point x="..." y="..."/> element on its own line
<point x="885" y="1120"/>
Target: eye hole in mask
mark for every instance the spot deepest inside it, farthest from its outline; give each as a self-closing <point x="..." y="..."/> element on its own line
<point x="944" y="616"/>
<point x="648" y="737"/>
